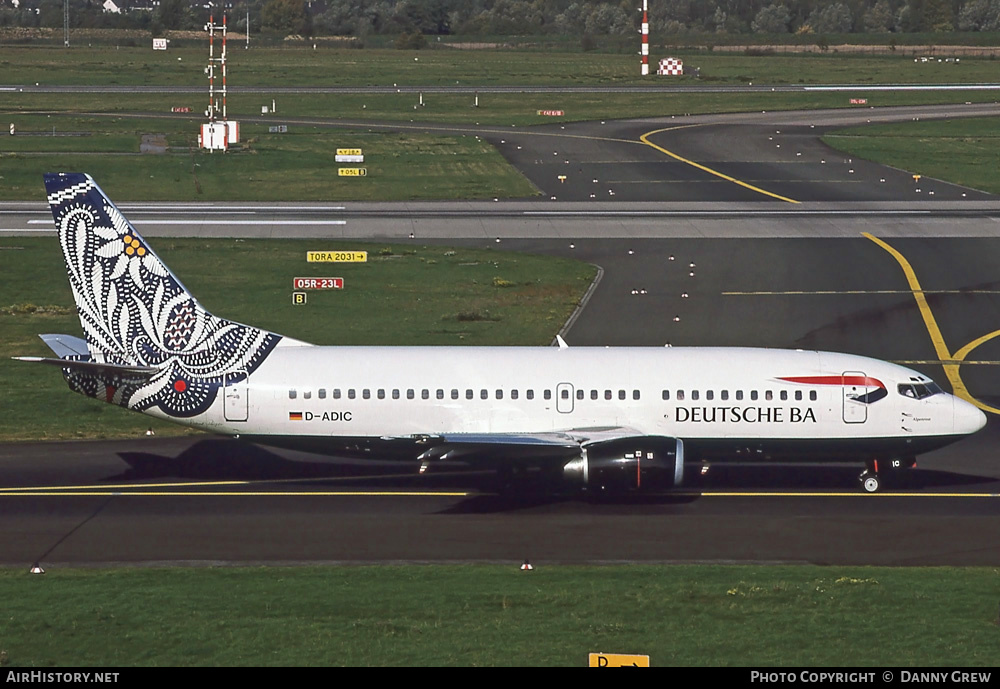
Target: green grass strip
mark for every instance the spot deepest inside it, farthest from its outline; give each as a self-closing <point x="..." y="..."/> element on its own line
<point x="682" y="615"/>
<point x="962" y="151"/>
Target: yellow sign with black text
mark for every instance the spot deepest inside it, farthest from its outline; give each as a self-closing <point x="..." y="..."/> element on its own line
<point x="348" y="151"/>
<point x="337" y="256"/>
<point x="352" y="172"/>
<point x="618" y="660"/>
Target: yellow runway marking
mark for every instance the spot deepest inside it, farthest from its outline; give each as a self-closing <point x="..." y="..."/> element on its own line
<point x="729" y="494"/>
<point x="951" y="370"/>
<point x="48" y="493"/>
<point x="195" y="493"/>
<point x="645" y="139"/>
<point x="842" y="292"/>
<point x="190" y="484"/>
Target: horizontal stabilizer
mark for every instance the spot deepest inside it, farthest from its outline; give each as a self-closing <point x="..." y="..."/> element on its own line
<point x="66" y="345"/>
<point x="93" y="367"/>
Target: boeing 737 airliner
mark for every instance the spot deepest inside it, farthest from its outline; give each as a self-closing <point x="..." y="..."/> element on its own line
<point x="603" y="419"/>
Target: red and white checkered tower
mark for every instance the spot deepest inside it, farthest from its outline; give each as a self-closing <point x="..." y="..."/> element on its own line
<point x="645" y="38"/>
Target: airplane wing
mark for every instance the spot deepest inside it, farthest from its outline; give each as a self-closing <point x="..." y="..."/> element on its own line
<point x="531" y="449"/>
<point x="615" y="458"/>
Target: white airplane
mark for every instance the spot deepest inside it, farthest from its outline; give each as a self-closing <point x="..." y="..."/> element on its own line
<point x="604" y="419"/>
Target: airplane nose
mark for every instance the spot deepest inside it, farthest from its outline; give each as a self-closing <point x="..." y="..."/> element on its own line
<point x="968" y="417"/>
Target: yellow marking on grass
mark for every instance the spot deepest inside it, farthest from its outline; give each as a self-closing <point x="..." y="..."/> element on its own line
<point x="951" y="370"/>
<point x="645" y="139"/>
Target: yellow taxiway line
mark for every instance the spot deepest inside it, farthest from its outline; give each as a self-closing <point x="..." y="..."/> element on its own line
<point x="645" y="139"/>
<point x="950" y="362"/>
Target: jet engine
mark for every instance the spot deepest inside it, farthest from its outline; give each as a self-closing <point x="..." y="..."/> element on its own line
<point x="628" y="465"/>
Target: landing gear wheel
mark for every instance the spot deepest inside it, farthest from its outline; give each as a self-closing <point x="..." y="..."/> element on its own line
<point x="870" y="482"/>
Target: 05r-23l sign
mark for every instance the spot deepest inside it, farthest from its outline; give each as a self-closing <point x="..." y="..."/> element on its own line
<point x="318" y="283"/>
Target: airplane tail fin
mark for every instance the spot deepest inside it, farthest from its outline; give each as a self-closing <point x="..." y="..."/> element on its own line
<point x="136" y="314"/>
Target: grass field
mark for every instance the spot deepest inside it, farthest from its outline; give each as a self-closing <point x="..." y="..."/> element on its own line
<point x="298" y="165"/>
<point x="965" y="152"/>
<point x="413" y="295"/>
<point x="332" y="66"/>
<point x="761" y="617"/>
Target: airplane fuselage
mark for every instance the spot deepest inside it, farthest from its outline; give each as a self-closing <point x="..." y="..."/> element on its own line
<point x="726" y="403"/>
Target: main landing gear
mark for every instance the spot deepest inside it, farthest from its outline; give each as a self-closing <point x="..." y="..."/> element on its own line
<point x="872" y="481"/>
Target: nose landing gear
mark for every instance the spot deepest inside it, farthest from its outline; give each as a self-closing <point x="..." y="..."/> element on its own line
<point x="872" y="481"/>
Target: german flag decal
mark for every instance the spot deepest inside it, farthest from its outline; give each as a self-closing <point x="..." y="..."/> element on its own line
<point x="294" y="416"/>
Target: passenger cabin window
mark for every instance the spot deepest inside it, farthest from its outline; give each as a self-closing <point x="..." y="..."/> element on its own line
<point x="395" y="393"/>
<point x="350" y="393"/>
<point x="381" y="393"/>
<point x="666" y="394"/>
<point x="439" y="394"/>
<point x="307" y="394"/>
<point x="753" y="395"/>
<point x="724" y="394"/>
<point x="513" y="394"/>
<point x="695" y="395"/>
<point x="530" y="394"/>
<point x="635" y="394"/>
<point x="680" y="394"/>
<point x="454" y="393"/>
<point x="710" y="394"/>
<point x="812" y="395"/>
<point x="784" y="395"/>
<point x="425" y="394"/>
<point x="336" y="393"/>
<point x="292" y="394"/>
<point x="409" y="393"/>
<point x="547" y="394"/>
<point x="366" y="394"/>
<point x="798" y="395"/>
<point x="322" y="393"/>
<point x="579" y="394"/>
<point x="593" y="394"/>
<point x="739" y="394"/>
<point x="621" y="394"/>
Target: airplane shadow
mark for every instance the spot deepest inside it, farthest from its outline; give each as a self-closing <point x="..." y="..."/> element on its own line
<point x="830" y="478"/>
<point x="223" y="459"/>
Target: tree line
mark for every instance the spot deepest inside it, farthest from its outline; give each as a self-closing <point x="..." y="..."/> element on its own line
<point x="416" y="18"/>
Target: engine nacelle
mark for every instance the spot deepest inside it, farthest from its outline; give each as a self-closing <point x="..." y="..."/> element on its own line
<point x="629" y="465"/>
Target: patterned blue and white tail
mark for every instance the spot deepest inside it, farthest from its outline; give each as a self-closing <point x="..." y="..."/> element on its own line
<point x="151" y="344"/>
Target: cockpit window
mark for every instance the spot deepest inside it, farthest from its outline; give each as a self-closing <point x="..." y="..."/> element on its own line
<point x="919" y="391"/>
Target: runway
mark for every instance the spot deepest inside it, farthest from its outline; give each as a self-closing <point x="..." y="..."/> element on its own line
<point x="762" y="276"/>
